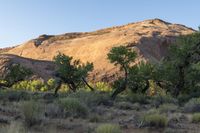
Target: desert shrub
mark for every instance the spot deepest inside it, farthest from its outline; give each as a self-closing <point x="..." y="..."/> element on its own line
<point x="155" y="120"/>
<point x="3" y="81"/>
<point x="170" y="130"/>
<point x="32" y="112"/>
<point x="152" y="111"/>
<point x="53" y="110"/>
<point x="64" y="88"/>
<point x="14" y="127"/>
<point x="168" y="107"/>
<point x="196" y="117"/>
<point x="90" y="98"/>
<point x="125" y="105"/>
<point x="183" y="98"/>
<point x="51" y="83"/>
<point x="18" y="95"/>
<point x="100" y="86"/>
<point x="108" y="128"/>
<point x="12" y="95"/>
<point x="137" y="98"/>
<point x="73" y="107"/>
<point x="33" y="85"/>
<point x="3" y="94"/>
<point x="163" y="99"/>
<point x="95" y="118"/>
<point x="193" y="105"/>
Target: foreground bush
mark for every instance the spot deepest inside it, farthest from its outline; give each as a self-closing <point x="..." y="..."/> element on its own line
<point x="192" y="105"/>
<point x="32" y="112"/>
<point x="73" y="107"/>
<point x="155" y="120"/>
<point x="108" y="128"/>
<point x="196" y="118"/>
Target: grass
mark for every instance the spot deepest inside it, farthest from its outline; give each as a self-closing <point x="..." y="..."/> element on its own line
<point x="155" y="120"/>
<point x="196" y="118"/>
<point x="73" y="107"/>
<point x="108" y="128"/>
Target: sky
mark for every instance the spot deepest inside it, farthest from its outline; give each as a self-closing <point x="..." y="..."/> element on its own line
<point x="22" y="20"/>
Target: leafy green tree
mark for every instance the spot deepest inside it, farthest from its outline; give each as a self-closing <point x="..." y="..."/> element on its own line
<point x="71" y="72"/>
<point x="123" y="57"/>
<point x="15" y="73"/>
<point x="180" y="70"/>
<point x="140" y="76"/>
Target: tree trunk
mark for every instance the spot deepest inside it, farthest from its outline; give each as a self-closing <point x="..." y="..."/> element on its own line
<point x="146" y="87"/>
<point x="73" y="86"/>
<point x="122" y="86"/>
<point x="181" y="81"/>
<point x="57" y="88"/>
<point x="86" y="83"/>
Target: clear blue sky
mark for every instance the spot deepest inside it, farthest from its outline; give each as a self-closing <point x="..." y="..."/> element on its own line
<point x="21" y="20"/>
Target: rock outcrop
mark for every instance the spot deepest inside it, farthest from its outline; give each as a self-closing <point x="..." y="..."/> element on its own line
<point x="149" y="38"/>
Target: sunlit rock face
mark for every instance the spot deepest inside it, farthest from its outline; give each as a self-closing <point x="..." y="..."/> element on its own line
<point x="150" y="38"/>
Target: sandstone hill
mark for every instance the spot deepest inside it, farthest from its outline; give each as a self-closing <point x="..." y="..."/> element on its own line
<point x="150" y="38"/>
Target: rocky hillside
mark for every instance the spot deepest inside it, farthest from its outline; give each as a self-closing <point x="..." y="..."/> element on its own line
<point x="149" y="38"/>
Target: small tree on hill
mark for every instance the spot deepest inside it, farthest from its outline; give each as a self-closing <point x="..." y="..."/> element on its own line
<point x="71" y="72"/>
<point x="14" y="73"/>
<point x="123" y="57"/>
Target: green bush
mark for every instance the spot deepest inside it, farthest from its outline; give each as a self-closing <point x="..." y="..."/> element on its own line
<point x="155" y="120"/>
<point x="73" y="107"/>
<point x="196" y="117"/>
<point x="108" y="128"/>
<point x="100" y="86"/>
<point x="33" y="85"/>
<point x="32" y="112"/>
<point x="51" y="83"/>
<point x="193" y="105"/>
